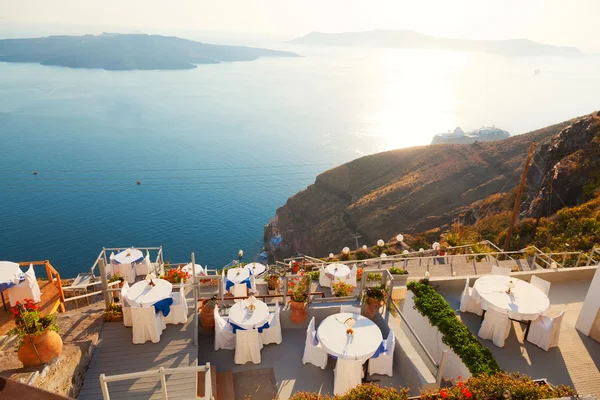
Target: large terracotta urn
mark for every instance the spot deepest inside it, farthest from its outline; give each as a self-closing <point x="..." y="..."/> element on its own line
<point x="48" y="345"/>
<point x="373" y="306"/>
<point x="298" y="311"/>
<point x="207" y="317"/>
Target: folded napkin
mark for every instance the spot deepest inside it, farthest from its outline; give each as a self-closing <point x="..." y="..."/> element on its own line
<point x="236" y="327"/>
<point x="164" y="305"/>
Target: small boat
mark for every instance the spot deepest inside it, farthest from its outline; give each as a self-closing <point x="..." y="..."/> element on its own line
<point x="35" y="172"/>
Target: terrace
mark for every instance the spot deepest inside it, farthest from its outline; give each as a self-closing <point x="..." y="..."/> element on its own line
<point x="417" y="364"/>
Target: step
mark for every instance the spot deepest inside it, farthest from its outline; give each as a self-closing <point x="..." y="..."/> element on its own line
<point x="225" y="386"/>
<point x="213" y="376"/>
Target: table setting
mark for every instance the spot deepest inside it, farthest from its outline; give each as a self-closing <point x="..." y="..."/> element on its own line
<point x="123" y="263"/>
<point x="255" y="268"/>
<point x="337" y="272"/>
<point x="151" y="292"/>
<point x="238" y="275"/>
<point x="249" y="313"/>
<point x="349" y="336"/>
<point x="10" y="275"/>
<point x="522" y="301"/>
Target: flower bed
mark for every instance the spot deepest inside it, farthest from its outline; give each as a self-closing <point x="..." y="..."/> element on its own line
<point x="431" y="304"/>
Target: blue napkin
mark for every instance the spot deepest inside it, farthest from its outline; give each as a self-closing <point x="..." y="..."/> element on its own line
<point x="236" y="327"/>
<point x="164" y="305"/>
<point x="380" y="349"/>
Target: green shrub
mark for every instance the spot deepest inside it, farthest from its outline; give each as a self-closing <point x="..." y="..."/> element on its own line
<point x="398" y="271"/>
<point x="373" y="276"/>
<point x="363" y="254"/>
<point x="376" y="292"/>
<point x="366" y="391"/>
<point x="314" y="275"/>
<point x="431" y="304"/>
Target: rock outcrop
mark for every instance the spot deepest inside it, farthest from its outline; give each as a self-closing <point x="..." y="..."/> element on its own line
<point x="483" y="134"/>
<point x="403" y="191"/>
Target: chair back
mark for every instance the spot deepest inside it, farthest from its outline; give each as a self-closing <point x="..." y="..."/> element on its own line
<point x="220" y="322"/>
<point x="500" y="271"/>
<point x="467" y="285"/>
<point x="248" y="337"/>
<point x="30" y="275"/>
<point x="352" y="278"/>
<point x="124" y="290"/>
<point x="556" y="322"/>
<point x="495" y="316"/>
<point x="223" y="281"/>
<point x="390" y="343"/>
<point x="541" y="284"/>
<point x="350" y="309"/>
<point x="275" y="315"/>
<point x="142" y="314"/>
<point x="311" y="325"/>
<point x="323" y="279"/>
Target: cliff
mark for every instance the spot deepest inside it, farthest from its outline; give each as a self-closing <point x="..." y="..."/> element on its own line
<point x="417" y="189"/>
<point x="458" y="136"/>
<point x="126" y="52"/>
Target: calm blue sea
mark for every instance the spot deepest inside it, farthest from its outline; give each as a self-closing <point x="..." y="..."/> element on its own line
<point x="219" y="148"/>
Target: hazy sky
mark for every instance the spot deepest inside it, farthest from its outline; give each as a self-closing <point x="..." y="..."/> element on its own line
<point x="559" y="22"/>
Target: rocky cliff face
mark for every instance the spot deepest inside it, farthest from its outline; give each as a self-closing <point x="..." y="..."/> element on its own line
<point x="401" y="191"/>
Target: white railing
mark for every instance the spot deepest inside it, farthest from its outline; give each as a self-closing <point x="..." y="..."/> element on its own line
<point x="106" y="250"/>
<point x="161" y="373"/>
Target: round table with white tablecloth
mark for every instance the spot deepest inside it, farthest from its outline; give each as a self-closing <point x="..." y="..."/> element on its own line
<point x="199" y="270"/>
<point x="525" y="302"/>
<point x="337" y="272"/>
<point x="142" y="294"/>
<point x="128" y="256"/>
<point x="361" y="345"/>
<point x="240" y="315"/>
<point x="10" y="275"/>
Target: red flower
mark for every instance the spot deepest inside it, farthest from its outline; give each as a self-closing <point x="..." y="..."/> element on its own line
<point x="460" y="377"/>
<point x="444" y="393"/>
<point x="459" y="384"/>
<point x="467" y="393"/>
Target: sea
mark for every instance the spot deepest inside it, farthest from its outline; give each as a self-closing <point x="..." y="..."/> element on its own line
<point x="219" y="148"/>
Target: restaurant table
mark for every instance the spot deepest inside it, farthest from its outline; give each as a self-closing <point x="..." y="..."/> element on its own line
<point x="361" y="345"/>
<point x="199" y="270"/>
<point x="525" y="303"/>
<point x="238" y="275"/>
<point x="256" y="268"/>
<point x="337" y="272"/>
<point x="10" y="275"/>
<point x="141" y="294"/>
<point x="243" y="318"/>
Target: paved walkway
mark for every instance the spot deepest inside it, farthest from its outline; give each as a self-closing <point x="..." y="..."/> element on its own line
<point x="576" y="360"/>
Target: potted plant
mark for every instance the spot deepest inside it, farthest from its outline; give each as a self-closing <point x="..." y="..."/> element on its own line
<point x="177" y="276"/>
<point x="116" y="278"/>
<point x="296" y="265"/>
<point x="341" y="289"/>
<point x="39" y="342"/>
<point x="272" y="283"/>
<point x="400" y="276"/>
<point x="207" y="313"/>
<point x="297" y="290"/>
<point x="114" y="312"/>
<point x="373" y="298"/>
<point x="530" y="252"/>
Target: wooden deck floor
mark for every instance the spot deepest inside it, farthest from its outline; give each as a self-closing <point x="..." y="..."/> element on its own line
<point x="48" y="302"/>
<point x="116" y="354"/>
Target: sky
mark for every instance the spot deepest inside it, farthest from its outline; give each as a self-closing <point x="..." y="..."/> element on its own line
<point x="559" y="22"/>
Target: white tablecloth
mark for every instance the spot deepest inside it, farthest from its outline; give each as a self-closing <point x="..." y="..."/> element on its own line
<point x="359" y="346"/>
<point x="526" y="302"/>
<point x="256" y="268"/>
<point x="128" y="256"/>
<point x="9" y="272"/>
<point x="233" y="276"/>
<point x="335" y="271"/>
<point x="142" y="294"/>
<point x="239" y="315"/>
<point x="199" y="269"/>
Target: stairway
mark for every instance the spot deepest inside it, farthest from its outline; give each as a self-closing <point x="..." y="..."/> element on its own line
<point x="222" y="384"/>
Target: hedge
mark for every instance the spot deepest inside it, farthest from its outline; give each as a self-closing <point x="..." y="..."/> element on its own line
<point x="431" y="304"/>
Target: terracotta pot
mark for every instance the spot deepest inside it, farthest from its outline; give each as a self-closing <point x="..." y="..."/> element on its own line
<point x="372" y="309"/>
<point x="298" y="312"/>
<point x="207" y="317"/>
<point x="295" y="269"/>
<point x="49" y="346"/>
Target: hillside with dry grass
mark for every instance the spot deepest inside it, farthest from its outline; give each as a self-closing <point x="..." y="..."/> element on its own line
<point x="419" y="189"/>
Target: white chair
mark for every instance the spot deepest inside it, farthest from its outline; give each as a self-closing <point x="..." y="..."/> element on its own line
<point x="125" y="271"/>
<point x="224" y="336"/>
<point x="179" y="310"/>
<point x="313" y="351"/>
<point x="352" y="279"/>
<point x="252" y="284"/>
<point x="346" y="375"/>
<point x="384" y="363"/>
<point x="247" y="346"/>
<point x="544" y="331"/>
<point x="146" y="325"/>
<point x="26" y="289"/>
<point x="541" y="284"/>
<point x="273" y="333"/>
<point x="143" y="268"/>
<point x="240" y="290"/>
<point x="127" y="321"/>
<point x="467" y="303"/>
<point x="350" y="309"/>
<point x="496" y="270"/>
<point x="324" y="281"/>
<point x="495" y="327"/>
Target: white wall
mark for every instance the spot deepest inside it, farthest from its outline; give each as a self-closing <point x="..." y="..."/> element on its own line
<point x="590" y="307"/>
<point x="432" y="339"/>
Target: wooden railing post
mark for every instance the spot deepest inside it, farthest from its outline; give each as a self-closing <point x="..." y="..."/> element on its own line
<point x="102" y="268"/>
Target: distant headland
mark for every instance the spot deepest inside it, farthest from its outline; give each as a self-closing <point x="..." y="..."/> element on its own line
<point x="122" y="52"/>
<point x="407" y="39"/>
<point x="458" y="136"/>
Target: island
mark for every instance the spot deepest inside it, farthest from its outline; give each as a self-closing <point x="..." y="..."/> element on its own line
<point x="407" y="39"/>
<point x="458" y="136"/>
<point x="114" y="51"/>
